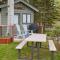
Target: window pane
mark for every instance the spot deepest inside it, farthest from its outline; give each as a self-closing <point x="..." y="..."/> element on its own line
<point x="24" y="18"/>
<point x="28" y="18"/>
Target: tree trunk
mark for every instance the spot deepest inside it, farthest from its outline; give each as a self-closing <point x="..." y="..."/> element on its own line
<point x="42" y="28"/>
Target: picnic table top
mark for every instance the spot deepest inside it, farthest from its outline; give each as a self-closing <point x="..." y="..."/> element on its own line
<point x="36" y="38"/>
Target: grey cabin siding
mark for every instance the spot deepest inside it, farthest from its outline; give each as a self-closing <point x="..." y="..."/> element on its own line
<point x="4" y="20"/>
<point x="27" y="11"/>
<point x="21" y="12"/>
<point x="4" y="16"/>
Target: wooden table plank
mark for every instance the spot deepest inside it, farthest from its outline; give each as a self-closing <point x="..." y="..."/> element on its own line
<point x="37" y="38"/>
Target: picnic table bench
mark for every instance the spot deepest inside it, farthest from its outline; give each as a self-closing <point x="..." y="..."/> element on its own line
<point x="19" y="47"/>
<point x="52" y="48"/>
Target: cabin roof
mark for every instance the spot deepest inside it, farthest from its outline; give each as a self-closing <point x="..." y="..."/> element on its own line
<point x="27" y="4"/>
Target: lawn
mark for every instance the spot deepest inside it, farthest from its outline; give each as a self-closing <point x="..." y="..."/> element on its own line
<point x="8" y="52"/>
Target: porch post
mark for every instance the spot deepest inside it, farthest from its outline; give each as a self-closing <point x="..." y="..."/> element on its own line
<point x="10" y="14"/>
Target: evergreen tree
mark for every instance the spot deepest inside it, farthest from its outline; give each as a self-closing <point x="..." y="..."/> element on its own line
<point x="47" y="12"/>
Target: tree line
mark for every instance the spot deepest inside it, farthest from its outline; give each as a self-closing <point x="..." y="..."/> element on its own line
<point x="47" y="12"/>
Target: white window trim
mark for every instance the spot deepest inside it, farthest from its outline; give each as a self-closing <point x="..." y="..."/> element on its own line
<point x="26" y="22"/>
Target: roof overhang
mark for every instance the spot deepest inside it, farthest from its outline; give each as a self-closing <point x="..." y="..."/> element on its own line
<point x="27" y="4"/>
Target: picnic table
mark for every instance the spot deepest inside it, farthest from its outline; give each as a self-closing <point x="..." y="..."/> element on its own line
<point x="38" y="38"/>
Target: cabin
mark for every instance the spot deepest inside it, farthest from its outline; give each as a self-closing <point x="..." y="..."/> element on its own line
<point x="15" y="13"/>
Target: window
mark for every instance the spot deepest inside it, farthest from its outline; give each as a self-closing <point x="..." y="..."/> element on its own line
<point x="26" y="18"/>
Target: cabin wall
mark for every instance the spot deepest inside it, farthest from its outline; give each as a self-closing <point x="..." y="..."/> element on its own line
<point x="21" y="12"/>
<point x="27" y="11"/>
<point x="4" y="16"/>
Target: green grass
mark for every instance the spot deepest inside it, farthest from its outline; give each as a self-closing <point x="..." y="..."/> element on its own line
<point x="8" y="52"/>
